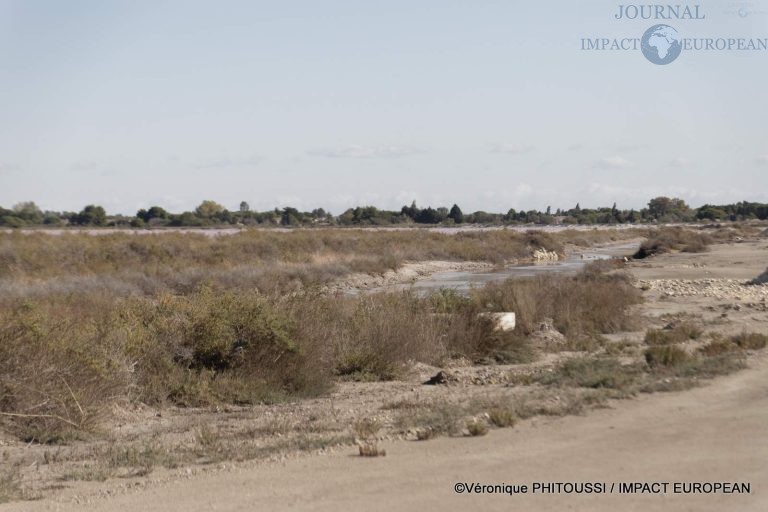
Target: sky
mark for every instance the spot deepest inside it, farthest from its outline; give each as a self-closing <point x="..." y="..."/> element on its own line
<point x="328" y="103"/>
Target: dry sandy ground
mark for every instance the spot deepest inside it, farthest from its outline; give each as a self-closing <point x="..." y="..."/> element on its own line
<point x="715" y="433"/>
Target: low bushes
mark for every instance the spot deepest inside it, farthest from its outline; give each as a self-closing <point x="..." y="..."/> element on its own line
<point x="371" y="337"/>
<point x="673" y="239"/>
<point x="592" y="373"/>
<point x="63" y="365"/>
<point x="66" y="360"/>
<point x="590" y="302"/>
<point x="678" y="333"/>
<point x="58" y="376"/>
<point x="750" y="340"/>
<point x="666" y="356"/>
<point x="219" y="346"/>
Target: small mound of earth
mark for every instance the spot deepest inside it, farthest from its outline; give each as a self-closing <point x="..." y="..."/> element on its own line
<point x="764" y="234"/>
<point x="546" y="335"/>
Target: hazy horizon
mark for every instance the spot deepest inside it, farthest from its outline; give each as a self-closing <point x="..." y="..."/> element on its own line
<point x="490" y="105"/>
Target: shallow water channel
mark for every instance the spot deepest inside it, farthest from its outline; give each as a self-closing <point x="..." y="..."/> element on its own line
<point x="464" y="281"/>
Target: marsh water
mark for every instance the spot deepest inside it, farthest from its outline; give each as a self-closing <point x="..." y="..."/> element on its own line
<point x="463" y="281"/>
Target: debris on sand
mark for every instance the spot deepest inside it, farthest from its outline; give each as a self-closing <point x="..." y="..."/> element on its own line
<point x="545" y="255"/>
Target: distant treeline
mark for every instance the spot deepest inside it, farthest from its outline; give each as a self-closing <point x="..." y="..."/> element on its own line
<point x="210" y="213"/>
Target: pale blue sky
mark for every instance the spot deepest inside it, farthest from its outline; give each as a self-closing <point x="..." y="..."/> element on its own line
<point x="490" y="104"/>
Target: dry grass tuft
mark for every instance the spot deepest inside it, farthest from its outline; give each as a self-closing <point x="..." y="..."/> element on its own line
<point x="670" y="239"/>
<point x="477" y="427"/>
<point x="590" y="372"/>
<point x="667" y="356"/>
<point x="371" y="449"/>
<point x="750" y="340"/>
<point x="502" y="417"/>
<point x="679" y="333"/>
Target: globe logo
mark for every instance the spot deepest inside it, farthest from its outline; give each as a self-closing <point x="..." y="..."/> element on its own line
<point x="661" y="44"/>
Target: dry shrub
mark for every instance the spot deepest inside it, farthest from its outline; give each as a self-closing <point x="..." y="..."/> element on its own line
<point x="718" y="347"/>
<point x="371" y="449"/>
<point x="593" y="373"/>
<point x="372" y="336"/>
<point x="742" y="341"/>
<point x="666" y="356"/>
<point x="502" y="417"/>
<point x="219" y="346"/>
<point x="127" y="264"/>
<point x="590" y="302"/>
<point x="58" y="376"/>
<point x="673" y="239"/>
<point x="581" y="306"/>
<point x="477" y="427"/>
<point x="750" y="340"/>
<point x="366" y="428"/>
<point x="678" y="333"/>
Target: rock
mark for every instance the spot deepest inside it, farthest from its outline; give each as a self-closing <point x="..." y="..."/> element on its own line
<point x="442" y="377"/>
<point x="761" y="279"/>
<point x="545" y="255"/>
<point x="501" y="321"/>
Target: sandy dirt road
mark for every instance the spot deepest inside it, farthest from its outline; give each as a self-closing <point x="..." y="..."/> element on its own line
<point x="680" y="437"/>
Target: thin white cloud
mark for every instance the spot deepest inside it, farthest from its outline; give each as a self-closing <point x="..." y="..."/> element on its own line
<point x="225" y="161"/>
<point x="762" y="160"/>
<point x="613" y="162"/>
<point x="355" y="151"/>
<point x="512" y="148"/>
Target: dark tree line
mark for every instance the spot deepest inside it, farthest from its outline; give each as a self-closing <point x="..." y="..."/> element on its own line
<point x="210" y="213"/>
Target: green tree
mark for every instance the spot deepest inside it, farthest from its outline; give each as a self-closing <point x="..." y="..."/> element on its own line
<point x="208" y="209"/>
<point x="155" y="212"/>
<point x="29" y="212"/>
<point x="710" y="212"/>
<point x="91" y="215"/>
<point x="290" y="216"/>
<point x="410" y="211"/>
<point x="456" y="214"/>
<point x="666" y="208"/>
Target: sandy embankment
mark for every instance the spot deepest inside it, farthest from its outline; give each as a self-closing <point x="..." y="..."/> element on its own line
<point x="408" y="273"/>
